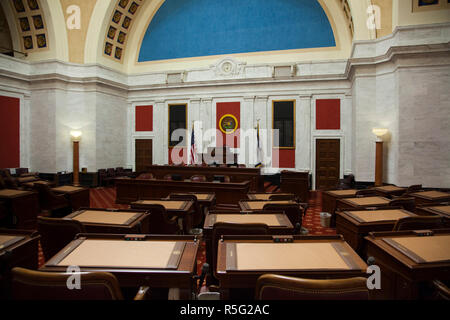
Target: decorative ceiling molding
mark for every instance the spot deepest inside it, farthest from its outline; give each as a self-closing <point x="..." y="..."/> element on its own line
<point x="31" y="25"/>
<point x="119" y="28"/>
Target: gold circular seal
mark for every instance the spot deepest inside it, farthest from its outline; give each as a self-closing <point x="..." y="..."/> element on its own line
<point x="228" y="124"/>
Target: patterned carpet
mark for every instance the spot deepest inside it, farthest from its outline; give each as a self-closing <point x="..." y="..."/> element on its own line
<point x="105" y="198"/>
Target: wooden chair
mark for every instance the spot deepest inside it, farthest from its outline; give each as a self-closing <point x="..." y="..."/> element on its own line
<point x="198" y="217"/>
<point x="281" y="197"/>
<point x="276" y="287"/>
<point x="160" y="223"/>
<point x="101" y="177"/>
<point x="110" y="176"/>
<point x="198" y="178"/>
<point x="9" y="180"/>
<point x="57" y="233"/>
<point x="365" y="193"/>
<point x="293" y="211"/>
<point x="347" y="183"/>
<point x="37" y="285"/>
<point x="20" y="171"/>
<point x="422" y="223"/>
<point x="413" y="188"/>
<point x="3" y="211"/>
<point x="408" y="204"/>
<point x="56" y="204"/>
<point x="2" y="183"/>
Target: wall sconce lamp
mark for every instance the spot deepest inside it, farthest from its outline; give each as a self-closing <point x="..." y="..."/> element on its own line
<point x="379" y="155"/>
<point x="76" y="138"/>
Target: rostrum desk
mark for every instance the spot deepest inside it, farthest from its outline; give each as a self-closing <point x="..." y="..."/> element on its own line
<point x="156" y="261"/>
<point x="408" y="260"/>
<point x="242" y="259"/>
<point x="355" y="225"/>
<point x="129" y="190"/>
<point x="111" y="221"/>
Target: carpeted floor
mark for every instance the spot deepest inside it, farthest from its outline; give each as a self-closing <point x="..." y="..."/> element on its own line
<point x="105" y="198"/>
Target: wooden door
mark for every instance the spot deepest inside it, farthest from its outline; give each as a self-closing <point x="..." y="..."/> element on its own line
<point x="327" y="163"/>
<point x="144" y="154"/>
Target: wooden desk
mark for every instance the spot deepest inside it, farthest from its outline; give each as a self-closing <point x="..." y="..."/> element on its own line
<point x="18" y="248"/>
<point x="389" y="191"/>
<point x="112" y="221"/>
<point x="179" y="208"/>
<point x="407" y="261"/>
<point x="361" y="203"/>
<point x="23" y="208"/>
<point x="329" y="198"/>
<point x="355" y="225"/>
<point x="242" y="259"/>
<point x="430" y="197"/>
<point x="278" y="223"/>
<point x="265" y="196"/>
<point x="30" y="185"/>
<point x="259" y="205"/>
<point x="155" y="261"/>
<point x="432" y="210"/>
<point x="129" y="190"/>
<point x="236" y="174"/>
<point x="77" y="196"/>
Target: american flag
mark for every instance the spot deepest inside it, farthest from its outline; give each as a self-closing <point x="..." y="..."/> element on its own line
<point x="193" y="150"/>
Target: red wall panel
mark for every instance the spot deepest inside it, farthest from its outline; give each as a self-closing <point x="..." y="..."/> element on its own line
<point x="9" y="132"/>
<point x="284" y="157"/>
<point x="144" y="118"/>
<point x="222" y="109"/>
<point x="328" y="114"/>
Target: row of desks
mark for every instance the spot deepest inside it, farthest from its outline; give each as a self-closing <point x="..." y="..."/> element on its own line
<point x="23" y="205"/>
<point x="406" y="259"/>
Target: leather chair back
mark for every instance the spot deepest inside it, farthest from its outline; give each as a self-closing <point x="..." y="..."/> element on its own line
<point x="365" y="193"/>
<point x="36" y="285"/>
<point x="57" y="233"/>
<point x="198" y="217"/>
<point x="147" y="176"/>
<point x="198" y="178"/>
<point x="159" y="222"/>
<point x="422" y="223"/>
<point x="408" y="204"/>
<point x="276" y="287"/>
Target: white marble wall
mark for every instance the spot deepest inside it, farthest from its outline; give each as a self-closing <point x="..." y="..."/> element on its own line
<point x="394" y="82"/>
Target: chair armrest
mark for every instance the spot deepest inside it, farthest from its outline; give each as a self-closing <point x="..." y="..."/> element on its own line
<point x="143" y="293"/>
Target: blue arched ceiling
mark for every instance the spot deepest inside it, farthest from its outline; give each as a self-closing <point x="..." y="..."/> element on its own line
<point x="195" y="28"/>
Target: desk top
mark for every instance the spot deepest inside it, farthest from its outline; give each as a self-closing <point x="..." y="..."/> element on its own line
<point x="340" y="193"/>
<point x="443" y="210"/>
<point x="204" y="196"/>
<point x="367" y="201"/>
<point x="265" y="196"/>
<point x="271" y="220"/>
<point x="423" y="249"/>
<point x="389" y="188"/>
<point x="11" y="193"/>
<point x="168" y="204"/>
<point x="9" y="240"/>
<point x="431" y="195"/>
<point x="308" y="255"/>
<point x="105" y="217"/>
<point x="97" y="253"/>
<point x="378" y="215"/>
<point x="66" y="189"/>
<point x="259" y="205"/>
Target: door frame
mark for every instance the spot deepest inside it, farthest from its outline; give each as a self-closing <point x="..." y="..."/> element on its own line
<point x="314" y="139"/>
